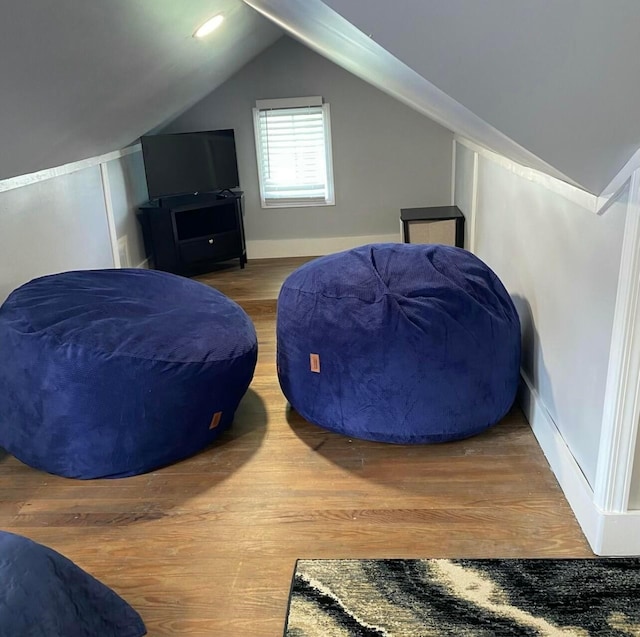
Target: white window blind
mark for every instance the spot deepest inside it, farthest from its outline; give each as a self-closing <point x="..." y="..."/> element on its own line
<point x="293" y="146"/>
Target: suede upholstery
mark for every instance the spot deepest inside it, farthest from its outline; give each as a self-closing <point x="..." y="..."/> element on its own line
<point x="43" y="594"/>
<point x="110" y="373"/>
<point x="398" y="343"/>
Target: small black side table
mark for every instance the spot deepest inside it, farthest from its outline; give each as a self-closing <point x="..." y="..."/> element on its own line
<point x="436" y="224"/>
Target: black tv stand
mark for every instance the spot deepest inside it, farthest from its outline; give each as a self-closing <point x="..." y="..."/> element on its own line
<point x="188" y="234"/>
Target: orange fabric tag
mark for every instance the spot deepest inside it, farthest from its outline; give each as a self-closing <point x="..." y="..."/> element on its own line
<point x="314" y="360"/>
<point x="215" y="421"/>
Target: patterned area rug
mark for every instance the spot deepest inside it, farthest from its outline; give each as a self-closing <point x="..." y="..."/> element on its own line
<point x="479" y="598"/>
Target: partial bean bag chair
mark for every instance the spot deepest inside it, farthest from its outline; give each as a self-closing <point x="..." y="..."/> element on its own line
<point x="43" y="594"/>
<point x="398" y="343"/>
<point x="110" y="373"/>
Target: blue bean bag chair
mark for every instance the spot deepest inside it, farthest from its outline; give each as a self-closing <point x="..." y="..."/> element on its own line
<point x="110" y="373"/>
<point x="398" y="343"/>
<point x="43" y="594"/>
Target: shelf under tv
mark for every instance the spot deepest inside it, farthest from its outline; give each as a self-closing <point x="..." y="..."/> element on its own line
<point x="188" y="234"/>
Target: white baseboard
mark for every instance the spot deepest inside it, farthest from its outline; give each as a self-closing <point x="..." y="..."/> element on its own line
<point x="611" y="534"/>
<point x="276" y="248"/>
<point x="571" y="479"/>
<point x="619" y="534"/>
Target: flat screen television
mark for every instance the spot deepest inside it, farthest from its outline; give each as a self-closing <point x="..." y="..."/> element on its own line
<point x="187" y="163"/>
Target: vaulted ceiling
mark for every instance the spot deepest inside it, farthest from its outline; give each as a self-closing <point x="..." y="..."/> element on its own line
<point x="551" y="84"/>
<point x="80" y="79"/>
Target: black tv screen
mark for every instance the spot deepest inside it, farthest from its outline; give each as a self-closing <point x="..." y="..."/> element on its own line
<point x="181" y="163"/>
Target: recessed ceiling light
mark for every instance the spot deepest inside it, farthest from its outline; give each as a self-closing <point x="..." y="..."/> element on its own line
<point x="209" y="26"/>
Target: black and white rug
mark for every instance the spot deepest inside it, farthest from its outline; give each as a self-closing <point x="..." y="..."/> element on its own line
<point x="474" y="598"/>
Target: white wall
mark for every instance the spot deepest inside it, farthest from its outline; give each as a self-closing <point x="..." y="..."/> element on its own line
<point x="385" y="155"/>
<point x="51" y="226"/>
<point x="574" y="276"/>
<point x="560" y="263"/>
<point x="57" y="220"/>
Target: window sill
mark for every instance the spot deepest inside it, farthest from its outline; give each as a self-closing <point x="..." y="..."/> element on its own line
<point x="297" y="204"/>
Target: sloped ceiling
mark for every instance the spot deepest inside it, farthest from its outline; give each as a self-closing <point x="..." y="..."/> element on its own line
<point x="80" y="79"/>
<point x="552" y="83"/>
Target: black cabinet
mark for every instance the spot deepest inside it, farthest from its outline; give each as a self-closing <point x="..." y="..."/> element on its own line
<point x="188" y="234"/>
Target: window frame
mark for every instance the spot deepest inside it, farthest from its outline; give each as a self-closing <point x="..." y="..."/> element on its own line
<point x="288" y="103"/>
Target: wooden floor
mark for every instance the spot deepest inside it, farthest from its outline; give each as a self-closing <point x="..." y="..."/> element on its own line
<point x="207" y="547"/>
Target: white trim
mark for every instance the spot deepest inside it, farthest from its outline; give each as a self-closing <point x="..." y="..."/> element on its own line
<point x="108" y="204"/>
<point x="471" y="214"/>
<point x="289" y="102"/>
<point x="453" y="172"/>
<point x="328" y="150"/>
<point x="256" y="141"/>
<point x="571" y="479"/>
<point x="598" y="204"/>
<point x="622" y="401"/>
<point x="619" y="534"/>
<point x="66" y="169"/>
<point x="568" y="191"/>
<point x="330" y="199"/>
<point x="611" y="534"/>
<point x="297" y="204"/>
<point x="144" y="264"/>
<point x="621" y="179"/>
<point x="276" y="248"/>
<point x="473" y="224"/>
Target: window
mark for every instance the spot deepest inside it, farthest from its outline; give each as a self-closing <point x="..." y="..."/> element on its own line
<point x="293" y="145"/>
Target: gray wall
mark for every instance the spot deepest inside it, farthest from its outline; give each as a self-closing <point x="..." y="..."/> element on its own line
<point x="385" y="155"/>
<point x="560" y="262"/>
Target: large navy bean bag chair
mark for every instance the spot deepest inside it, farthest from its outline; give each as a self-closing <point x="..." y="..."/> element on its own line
<point x="398" y="343"/>
<point x="110" y="373"/>
<point x="43" y="594"/>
